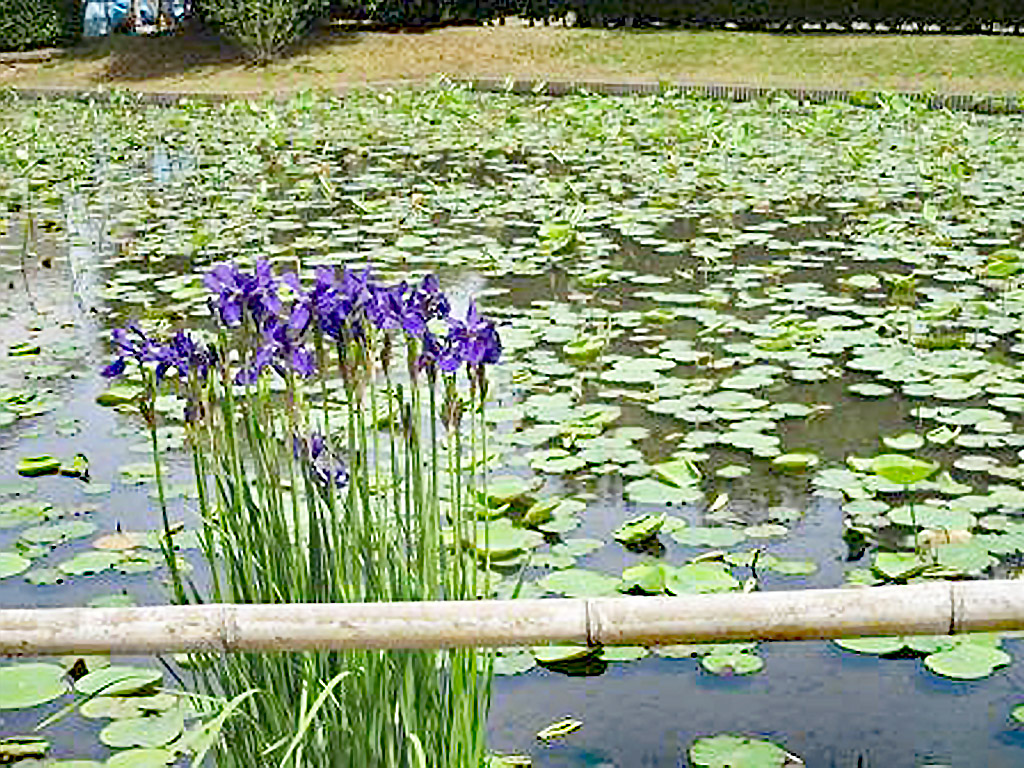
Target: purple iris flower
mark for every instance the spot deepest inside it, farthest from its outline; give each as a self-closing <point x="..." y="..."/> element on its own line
<point x="476" y="339"/>
<point x="326" y="468"/>
<point x="385" y="308"/>
<point x="343" y="309"/>
<point x="281" y="349"/>
<point x="238" y="291"/>
<point x="424" y="304"/>
<point x="184" y="354"/>
<point x="131" y="343"/>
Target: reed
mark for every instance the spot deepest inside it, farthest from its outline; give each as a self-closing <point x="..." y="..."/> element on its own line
<point x="335" y="433"/>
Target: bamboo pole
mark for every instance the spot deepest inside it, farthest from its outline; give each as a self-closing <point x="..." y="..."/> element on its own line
<point x="935" y="608"/>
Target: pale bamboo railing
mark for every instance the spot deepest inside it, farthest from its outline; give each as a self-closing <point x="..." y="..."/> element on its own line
<point x="935" y="608"/>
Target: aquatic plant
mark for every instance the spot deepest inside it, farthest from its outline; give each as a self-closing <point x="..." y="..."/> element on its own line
<point x="323" y="476"/>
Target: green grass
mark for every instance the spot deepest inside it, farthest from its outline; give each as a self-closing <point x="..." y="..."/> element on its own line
<point x="339" y="55"/>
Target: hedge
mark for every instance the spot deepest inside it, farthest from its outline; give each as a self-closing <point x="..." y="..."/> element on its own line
<point x="952" y="14"/>
<point x="39" y="23"/>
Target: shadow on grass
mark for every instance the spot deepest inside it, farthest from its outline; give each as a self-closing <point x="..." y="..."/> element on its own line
<point x="189" y="49"/>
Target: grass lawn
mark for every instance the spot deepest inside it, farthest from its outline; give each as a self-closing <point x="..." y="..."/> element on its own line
<point x="338" y="55"/>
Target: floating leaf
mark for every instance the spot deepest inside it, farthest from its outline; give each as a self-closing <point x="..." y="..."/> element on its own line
<point x="878" y="646"/>
<point x="727" y="751"/>
<point x="559" y="729"/>
<point x="649" y="491"/>
<point x="27" y="685"/>
<point x="680" y="473"/>
<point x="118" y="681"/>
<point x="639" y="528"/>
<point x="149" y="731"/>
<point x="908" y="441"/>
<point x="141" y="758"/>
<point x="732" y="663"/>
<point x="699" y="578"/>
<point x="12" y="564"/>
<point x="120" y="394"/>
<point x="967" y="661"/>
<point x="563" y="654"/>
<point x="795" y="462"/>
<point x="24" y="748"/>
<point x="36" y="466"/>
<point x="579" y="582"/>
<point x="902" y="470"/>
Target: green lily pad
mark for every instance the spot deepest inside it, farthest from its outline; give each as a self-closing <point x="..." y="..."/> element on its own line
<point x="141" y="758"/>
<point x="36" y="466"/>
<point x="112" y="707"/>
<point x="877" y="646"/>
<point x="623" y="652"/>
<point x="12" y="564"/>
<point x="898" y="565"/>
<point x="639" y="528"/>
<point x="908" y="441"/>
<point x="651" y="578"/>
<point x="701" y="578"/>
<point x="28" y="685"/>
<point x="149" y="731"/>
<point x="118" y="681"/>
<point x="18" y="748"/>
<point x="967" y="661"/>
<point x="727" y="751"/>
<point x="120" y="394"/>
<point x="500" y="539"/>
<point x="795" y="462"/>
<point x="870" y="390"/>
<point x="579" y="582"/>
<point x="514" y="662"/>
<point x="732" y="663"/>
<point x="701" y="536"/>
<point x="649" y="491"/>
<point x="681" y="473"/>
<point x="90" y="562"/>
<point x="563" y="654"/>
<point x="902" y="470"/>
<point x="732" y="471"/>
<point x="793" y="567"/>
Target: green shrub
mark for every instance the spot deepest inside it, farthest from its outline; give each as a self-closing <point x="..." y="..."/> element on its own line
<point x="263" y="28"/>
<point x="37" y="23"/>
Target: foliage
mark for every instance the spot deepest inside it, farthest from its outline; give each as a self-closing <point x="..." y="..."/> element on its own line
<point x="262" y="28"/>
<point x="35" y="23"/>
<point x="761" y="14"/>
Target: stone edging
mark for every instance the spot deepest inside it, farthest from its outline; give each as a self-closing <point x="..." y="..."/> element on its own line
<point x="983" y="103"/>
<point x="29" y="57"/>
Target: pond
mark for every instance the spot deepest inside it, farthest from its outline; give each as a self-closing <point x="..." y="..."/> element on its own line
<point x="714" y="318"/>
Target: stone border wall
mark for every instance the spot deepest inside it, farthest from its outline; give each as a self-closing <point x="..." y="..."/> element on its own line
<point x="982" y="103"/>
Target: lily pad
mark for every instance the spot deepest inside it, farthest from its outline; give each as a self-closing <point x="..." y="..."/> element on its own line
<point x="908" y="441"/>
<point x="902" y="470"/>
<point x="729" y="664"/>
<point x="727" y="751"/>
<point x="12" y="564"/>
<point x="149" y="731"/>
<point x="680" y="473"/>
<point x="118" y="681"/>
<point x="795" y="462"/>
<point x="28" y="685"/>
<point x="967" y="661"/>
<point x="639" y="528"/>
<point x="579" y="582"/>
<point x="36" y="466"/>
<point x="141" y="758"/>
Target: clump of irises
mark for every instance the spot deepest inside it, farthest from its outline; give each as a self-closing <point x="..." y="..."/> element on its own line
<point x="338" y="440"/>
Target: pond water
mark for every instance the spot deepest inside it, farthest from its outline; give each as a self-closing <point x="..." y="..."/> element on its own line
<point x="675" y="279"/>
